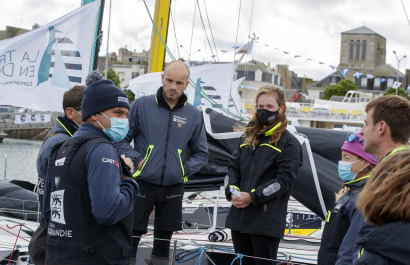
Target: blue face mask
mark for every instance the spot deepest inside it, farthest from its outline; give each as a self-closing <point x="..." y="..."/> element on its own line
<point x="345" y="171"/>
<point x="118" y="130"/>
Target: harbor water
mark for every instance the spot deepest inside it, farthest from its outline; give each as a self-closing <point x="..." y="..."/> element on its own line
<point x="18" y="159"/>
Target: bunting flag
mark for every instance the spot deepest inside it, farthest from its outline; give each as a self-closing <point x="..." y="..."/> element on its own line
<point x="369" y="76"/>
<point x="357" y="74"/>
<point x="382" y="80"/>
<point x="396" y="85"/>
<point x="247" y="48"/>
<point x="345" y="71"/>
<point x="212" y="78"/>
<point x="37" y="67"/>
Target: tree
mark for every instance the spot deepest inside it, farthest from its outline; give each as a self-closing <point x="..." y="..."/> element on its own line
<point x="113" y="76"/>
<point x="400" y="92"/>
<point x="339" y="89"/>
<point x="130" y="94"/>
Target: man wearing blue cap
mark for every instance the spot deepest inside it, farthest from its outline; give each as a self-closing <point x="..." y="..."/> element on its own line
<point x="91" y="196"/>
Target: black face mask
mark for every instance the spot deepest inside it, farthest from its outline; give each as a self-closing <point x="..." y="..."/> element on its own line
<point x="267" y="117"/>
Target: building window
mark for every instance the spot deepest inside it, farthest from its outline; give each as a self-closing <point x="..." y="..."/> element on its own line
<point x="364" y="50"/>
<point x="357" y="50"/>
<point x="267" y="77"/>
<point x="135" y="74"/>
<point x="351" y="49"/>
<point x="121" y="75"/>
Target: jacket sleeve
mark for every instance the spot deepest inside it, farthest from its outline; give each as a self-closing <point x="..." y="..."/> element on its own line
<point x="234" y="175"/>
<point x="370" y="258"/>
<point x="124" y="146"/>
<point x="287" y="165"/>
<point x="365" y="231"/>
<point x="199" y="150"/>
<point x="346" y="255"/>
<point x="111" y="197"/>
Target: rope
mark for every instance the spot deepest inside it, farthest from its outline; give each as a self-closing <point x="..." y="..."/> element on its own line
<point x="238" y="256"/>
<point x="15" y="243"/>
<point x="237" y="29"/>
<point x="190" y="80"/>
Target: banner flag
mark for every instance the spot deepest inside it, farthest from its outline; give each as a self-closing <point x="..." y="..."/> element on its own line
<point x="215" y="81"/>
<point x="37" y="67"/>
<point x="247" y="48"/>
<point x="396" y="85"/>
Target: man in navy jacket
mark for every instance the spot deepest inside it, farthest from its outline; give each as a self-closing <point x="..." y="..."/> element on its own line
<point x="169" y="146"/>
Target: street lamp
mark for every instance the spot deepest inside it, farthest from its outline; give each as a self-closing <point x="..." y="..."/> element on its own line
<point x="189" y="53"/>
<point x="398" y="67"/>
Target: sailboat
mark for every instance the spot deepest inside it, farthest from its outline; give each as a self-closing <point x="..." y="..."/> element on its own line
<point x="204" y="234"/>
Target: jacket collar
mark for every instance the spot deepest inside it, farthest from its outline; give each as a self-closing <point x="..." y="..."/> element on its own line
<point x="67" y="124"/>
<point x="356" y="183"/>
<point x="159" y="98"/>
<point x="271" y="131"/>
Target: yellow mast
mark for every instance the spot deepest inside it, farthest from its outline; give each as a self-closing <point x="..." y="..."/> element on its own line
<point x="157" y="50"/>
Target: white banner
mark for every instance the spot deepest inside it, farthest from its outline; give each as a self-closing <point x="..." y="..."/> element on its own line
<point x="37" y="67"/>
<point x="32" y="118"/>
<point x="214" y="79"/>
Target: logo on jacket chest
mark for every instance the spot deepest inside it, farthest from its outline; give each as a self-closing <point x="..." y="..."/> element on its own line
<point x="179" y="120"/>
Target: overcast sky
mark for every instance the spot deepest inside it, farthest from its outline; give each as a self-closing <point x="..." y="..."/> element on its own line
<point x="307" y="28"/>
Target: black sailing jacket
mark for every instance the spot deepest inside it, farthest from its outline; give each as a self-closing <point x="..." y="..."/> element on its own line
<point x="267" y="173"/>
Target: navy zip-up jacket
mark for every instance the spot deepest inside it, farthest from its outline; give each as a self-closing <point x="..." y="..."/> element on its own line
<point x="112" y="198"/>
<point x="387" y="245"/>
<point x="62" y="131"/>
<point x="172" y="142"/>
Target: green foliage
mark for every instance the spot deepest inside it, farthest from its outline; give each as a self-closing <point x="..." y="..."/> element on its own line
<point x="113" y="76"/>
<point x="339" y="89"/>
<point x="130" y="94"/>
<point x="400" y="92"/>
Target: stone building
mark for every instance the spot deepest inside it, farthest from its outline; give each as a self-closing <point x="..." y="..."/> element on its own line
<point x="362" y="49"/>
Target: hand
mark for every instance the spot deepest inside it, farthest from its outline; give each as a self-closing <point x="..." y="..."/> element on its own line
<point x="129" y="163"/>
<point x="141" y="163"/>
<point x="241" y="202"/>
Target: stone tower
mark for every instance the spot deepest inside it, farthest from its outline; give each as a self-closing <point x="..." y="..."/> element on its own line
<point x="362" y="49"/>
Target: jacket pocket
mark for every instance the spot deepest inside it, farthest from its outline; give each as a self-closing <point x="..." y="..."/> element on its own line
<point x="182" y="166"/>
<point x="147" y="155"/>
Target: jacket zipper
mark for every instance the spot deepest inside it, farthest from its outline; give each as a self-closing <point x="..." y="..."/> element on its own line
<point x="166" y="147"/>
<point x="247" y="183"/>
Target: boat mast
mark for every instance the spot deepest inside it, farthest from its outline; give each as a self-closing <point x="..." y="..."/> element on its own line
<point x="156" y="58"/>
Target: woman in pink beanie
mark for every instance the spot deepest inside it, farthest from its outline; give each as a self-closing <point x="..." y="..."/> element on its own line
<point x="340" y="232"/>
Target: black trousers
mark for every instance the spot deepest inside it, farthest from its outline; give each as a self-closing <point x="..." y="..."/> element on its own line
<point x="256" y="246"/>
<point x="167" y="203"/>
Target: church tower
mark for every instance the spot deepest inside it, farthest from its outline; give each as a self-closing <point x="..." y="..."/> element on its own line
<point x="362" y="49"/>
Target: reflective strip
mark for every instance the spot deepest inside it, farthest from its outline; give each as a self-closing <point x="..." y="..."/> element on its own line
<point x="234" y="187"/>
<point x="138" y="172"/>
<point x="243" y="145"/>
<point x="401" y="148"/>
<point x="182" y="166"/>
<point x="270" y="132"/>
<point x="253" y="190"/>
<point x="328" y="216"/>
<point x="359" y="179"/>
<point x="360" y="253"/>
<point x="277" y="149"/>
<point x="64" y="128"/>
<point x="156" y="100"/>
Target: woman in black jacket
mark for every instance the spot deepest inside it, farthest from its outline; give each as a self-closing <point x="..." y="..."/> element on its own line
<point x="261" y="174"/>
<point x="385" y="201"/>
